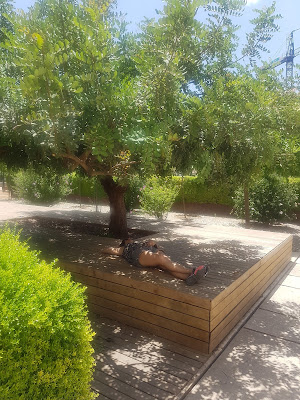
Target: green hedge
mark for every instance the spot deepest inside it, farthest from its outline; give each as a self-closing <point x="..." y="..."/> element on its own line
<point x="194" y="191"/>
<point x="45" y="350"/>
<point x="86" y="187"/>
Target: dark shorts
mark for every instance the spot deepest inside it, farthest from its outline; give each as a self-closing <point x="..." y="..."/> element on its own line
<point x="132" y="252"/>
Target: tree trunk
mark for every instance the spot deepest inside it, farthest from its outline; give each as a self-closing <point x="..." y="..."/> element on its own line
<point x="246" y="204"/>
<point x="118" y="220"/>
<point x="183" y="198"/>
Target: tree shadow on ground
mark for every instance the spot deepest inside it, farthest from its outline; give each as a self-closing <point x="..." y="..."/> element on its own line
<point x="256" y="366"/>
<point x="133" y="362"/>
<point x="227" y="259"/>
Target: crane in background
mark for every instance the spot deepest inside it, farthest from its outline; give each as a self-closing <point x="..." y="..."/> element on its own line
<point x="288" y="59"/>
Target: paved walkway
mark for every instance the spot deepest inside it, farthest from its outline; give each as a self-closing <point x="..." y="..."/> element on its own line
<point x="261" y="360"/>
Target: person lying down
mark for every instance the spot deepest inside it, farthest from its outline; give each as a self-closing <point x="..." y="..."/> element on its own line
<point x="147" y="254"/>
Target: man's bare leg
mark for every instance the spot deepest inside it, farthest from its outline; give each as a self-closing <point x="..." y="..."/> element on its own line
<point x="149" y="259"/>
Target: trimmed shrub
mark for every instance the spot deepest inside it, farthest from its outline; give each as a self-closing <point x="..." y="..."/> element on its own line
<point x="45" y="350"/>
<point x="271" y="199"/>
<point x="158" y="195"/>
<point x="86" y="186"/>
<point x="41" y="186"/>
<point x="194" y="191"/>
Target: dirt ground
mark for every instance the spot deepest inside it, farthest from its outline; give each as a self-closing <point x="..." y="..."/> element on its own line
<point x="88" y="219"/>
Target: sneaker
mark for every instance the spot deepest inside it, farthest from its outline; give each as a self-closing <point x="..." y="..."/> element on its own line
<point x="196" y="275"/>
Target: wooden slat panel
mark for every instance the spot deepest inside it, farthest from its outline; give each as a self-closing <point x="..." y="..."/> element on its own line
<point x="162" y="346"/>
<point x="228" y="294"/>
<point x="131" y="353"/>
<point x="141" y="355"/>
<point x="91" y="270"/>
<point x="119" y="373"/>
<point x="155" y="372"/>
<point x="148" y="307"/>
<point x="148" y="327"/>
<point x="113" y="373"/>
<point x="111" y="388"/>
<point x="223" y="329"/>
<point x="147" y="316"/>
<point x="177" y="316"/>
<point x="171" y="304"/>
<point x="220" y="312"/>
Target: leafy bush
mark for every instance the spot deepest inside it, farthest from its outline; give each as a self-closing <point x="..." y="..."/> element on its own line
<point x="193" y="190"/>
<point x="158" y="195"/>
<point x="295" y="182"/>
<point x="270" y="199"/>
<point x="86" y="186"/>
<point x="45" y="350"/>
<point x="133" y="193"/>
<point x="40" y="187"/>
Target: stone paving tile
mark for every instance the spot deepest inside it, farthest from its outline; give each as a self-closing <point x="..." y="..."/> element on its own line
<point x="296" y="270"/>
<point x="254" y="366"/>
<point x="285" y="300"/>
<point x="292" y="281"/>
<point x="275" y="324"/>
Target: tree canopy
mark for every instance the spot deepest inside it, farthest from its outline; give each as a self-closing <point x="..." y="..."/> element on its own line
<point x="78" y="86"/>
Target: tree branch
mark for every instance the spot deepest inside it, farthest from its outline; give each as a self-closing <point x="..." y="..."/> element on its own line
<point x="82" y="161"/>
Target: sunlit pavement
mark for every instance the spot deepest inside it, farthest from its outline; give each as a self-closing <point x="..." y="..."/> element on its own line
<point x="13" y="209"/>
<point x="262" y="361"/>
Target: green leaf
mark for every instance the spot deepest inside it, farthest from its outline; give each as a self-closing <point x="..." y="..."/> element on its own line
<point x="39" y="40"/>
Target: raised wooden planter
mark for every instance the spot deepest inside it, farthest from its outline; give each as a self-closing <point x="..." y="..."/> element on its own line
<point x="191" y="316"/>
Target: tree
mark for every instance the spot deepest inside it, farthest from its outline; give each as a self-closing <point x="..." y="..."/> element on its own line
<point x="76" y="93"/>
<point x="242" y="121"/>
<point x="231" y="123"/>
<point x="6" y="10"/>
<point x="77" y="86"/>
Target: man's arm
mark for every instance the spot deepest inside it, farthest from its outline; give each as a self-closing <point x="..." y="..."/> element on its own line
<point x="115" y="251"/>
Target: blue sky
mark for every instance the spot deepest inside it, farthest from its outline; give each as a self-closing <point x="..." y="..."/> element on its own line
<point x="289" y="9"/>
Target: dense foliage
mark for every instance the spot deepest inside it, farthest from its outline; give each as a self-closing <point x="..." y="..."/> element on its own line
<point x="158" y="195"/>
<point x="84" y="186"/>
<point x="132" y="195"/>
<point x="194" y="191"/>
<point x="191" y="190"/>
<point x="45" y="350"/>
<point x="42" y="186"/>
